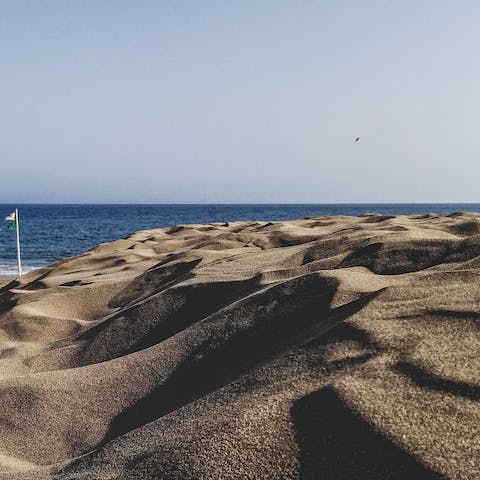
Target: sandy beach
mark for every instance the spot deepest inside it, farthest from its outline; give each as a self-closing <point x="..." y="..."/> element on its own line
<point x="323" y="348"/>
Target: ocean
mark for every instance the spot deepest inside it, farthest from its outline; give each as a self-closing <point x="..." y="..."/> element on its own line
<point x="53" y="232"/>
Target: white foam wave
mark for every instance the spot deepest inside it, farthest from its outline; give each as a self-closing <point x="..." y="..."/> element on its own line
<point x="11" y="271"/>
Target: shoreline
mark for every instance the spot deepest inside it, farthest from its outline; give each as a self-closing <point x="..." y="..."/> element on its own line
<point x="84" y="226"/>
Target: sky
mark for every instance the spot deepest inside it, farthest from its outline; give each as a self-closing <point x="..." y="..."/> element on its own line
<point x="239" y="101"/>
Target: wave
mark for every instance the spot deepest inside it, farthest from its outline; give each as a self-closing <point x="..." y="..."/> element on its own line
<point x="11" y="270"/>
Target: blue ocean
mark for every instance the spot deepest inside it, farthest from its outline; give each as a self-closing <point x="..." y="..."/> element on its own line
<point x="53" y="232"/>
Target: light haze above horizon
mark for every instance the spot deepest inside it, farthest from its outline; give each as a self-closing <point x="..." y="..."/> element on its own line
<point x="239" y="102"/>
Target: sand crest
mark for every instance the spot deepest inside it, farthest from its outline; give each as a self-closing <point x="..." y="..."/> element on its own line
<point x="329" y="347"/>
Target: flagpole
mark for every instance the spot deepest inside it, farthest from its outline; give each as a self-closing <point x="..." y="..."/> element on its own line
<point x="18" y="244"/>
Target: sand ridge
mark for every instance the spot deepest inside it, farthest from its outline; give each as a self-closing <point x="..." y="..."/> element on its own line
<point x="333" y="347"/>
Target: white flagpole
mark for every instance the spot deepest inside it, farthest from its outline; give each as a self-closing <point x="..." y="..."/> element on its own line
<point x="18" y="243"/>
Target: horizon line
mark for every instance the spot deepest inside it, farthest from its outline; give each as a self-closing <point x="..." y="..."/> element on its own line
<point x="237" y="203"/>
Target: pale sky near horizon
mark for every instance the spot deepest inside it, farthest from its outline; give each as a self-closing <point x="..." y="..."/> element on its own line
<point x="239" y="101"/>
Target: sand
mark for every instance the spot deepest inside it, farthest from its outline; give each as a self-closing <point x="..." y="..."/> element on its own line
<point x="322" y="348"/>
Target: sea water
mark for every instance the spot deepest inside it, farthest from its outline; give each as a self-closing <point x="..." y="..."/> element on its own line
<point x="53" y="232"/>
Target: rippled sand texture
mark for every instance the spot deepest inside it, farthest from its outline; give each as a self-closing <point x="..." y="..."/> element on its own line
<point x="323" y="348"/>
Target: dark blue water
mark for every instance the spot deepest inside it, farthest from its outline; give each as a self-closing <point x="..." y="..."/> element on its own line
<point x="52" y="232"/>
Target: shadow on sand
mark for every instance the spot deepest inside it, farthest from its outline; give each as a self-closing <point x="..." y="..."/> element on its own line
<point x="335" y="443"/>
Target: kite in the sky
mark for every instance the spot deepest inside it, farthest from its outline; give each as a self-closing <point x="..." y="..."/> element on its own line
<point x="357" y="139"/>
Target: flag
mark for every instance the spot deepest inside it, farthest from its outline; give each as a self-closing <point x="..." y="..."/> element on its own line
<point x="13" y="225"/>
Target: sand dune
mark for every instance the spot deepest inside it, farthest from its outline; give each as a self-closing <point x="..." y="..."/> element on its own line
<point x="323" y="348"/>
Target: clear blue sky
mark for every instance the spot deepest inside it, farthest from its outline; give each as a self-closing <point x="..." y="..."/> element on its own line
<point x="239" y="101"/>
